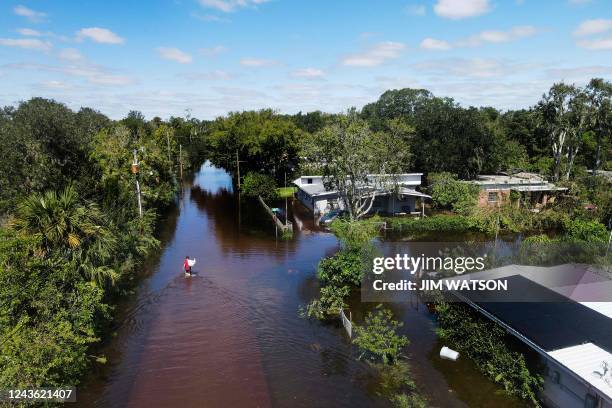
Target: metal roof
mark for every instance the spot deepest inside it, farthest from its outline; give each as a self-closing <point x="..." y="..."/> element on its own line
<point x="586" y="361"/>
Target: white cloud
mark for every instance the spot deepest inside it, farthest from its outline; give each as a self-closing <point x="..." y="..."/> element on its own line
<point x="310" y="73"/>
<point x="28" y="32"/>
<point x="257" y="62"/>
<point x="577" y="74"/>
<point x="32" y="15"/>
<point x="375" y="55"/>
<point x="93" y="74"/>
<point x="603" y="43"/>
<point x="210" y="18"/>
<point x="99" y="35"/>
<point x="433" y="44"/>
<point x="216" y="75"/>
<point x="115" y="80"/>
<point x="590" y="27"/>
<point x="212" y="51"/>
<point x="71" y="54"/>
<point x="481" y="68"/>
<point x="498" y="36"/>
<point x="55" y="85"/>
<point x="228" y="6"/>
<point x="459" y="9"/>
<point x="416" y="10"/>
<point x="27" y="43"/>
<point x="174" y="54"/>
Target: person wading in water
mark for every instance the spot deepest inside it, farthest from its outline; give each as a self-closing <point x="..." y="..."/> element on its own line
<point x="187" y="264"/>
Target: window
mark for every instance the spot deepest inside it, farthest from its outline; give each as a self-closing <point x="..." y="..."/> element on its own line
<point x="492" y="196"/>
<point x="309" y="181"/>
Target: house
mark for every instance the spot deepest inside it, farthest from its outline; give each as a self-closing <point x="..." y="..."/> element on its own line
<point x="320" y="200"/>
<point x="530" y="189"/>
<point x="564" y="314"/>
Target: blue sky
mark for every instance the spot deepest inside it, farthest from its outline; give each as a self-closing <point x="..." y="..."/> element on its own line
<point x="215" y="56"/>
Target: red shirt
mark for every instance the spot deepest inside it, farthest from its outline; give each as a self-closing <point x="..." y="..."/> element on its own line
<point x="186" y="264"/>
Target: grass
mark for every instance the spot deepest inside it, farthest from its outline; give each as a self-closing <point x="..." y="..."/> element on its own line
<point x="286" y="192"/>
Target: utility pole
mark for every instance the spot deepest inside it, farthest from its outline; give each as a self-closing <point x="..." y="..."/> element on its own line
<point x="286" y="213"/>
<point x="181" y="160"/>
<point x="168" y="144"/>
<point x="609" y="237"/>
<point x="136" y="171"/>
<point x="238" y="169"/>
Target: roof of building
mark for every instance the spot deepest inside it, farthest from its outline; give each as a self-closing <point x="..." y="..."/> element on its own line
<point x="522" y="182"/>
<point x="318" y="188"/>
<point x="588" y="361"/>
<point x="575" y="334"/>
<point x="554" y="322"/>
<point x="605" y="173"/>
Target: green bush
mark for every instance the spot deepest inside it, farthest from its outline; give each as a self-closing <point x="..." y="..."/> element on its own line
<point x="449" y="193"/>
<point x="257" y="184"/>
<point x="356" y="234"/>
<point x="587" y="231"/>
<point x="438" y="223"/>
<point x="377" y="338"/>
<point x="329" y="304"/>
<point x="485" y="343"/>
<point x="344" y="268"/>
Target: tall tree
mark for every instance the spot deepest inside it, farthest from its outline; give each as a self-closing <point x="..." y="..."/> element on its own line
<point x="349" y="151"/>
<point x="599" y="94"/>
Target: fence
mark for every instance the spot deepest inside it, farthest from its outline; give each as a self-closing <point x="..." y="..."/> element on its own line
<point x="347" y="323"/>
<point x="288" y="226"/>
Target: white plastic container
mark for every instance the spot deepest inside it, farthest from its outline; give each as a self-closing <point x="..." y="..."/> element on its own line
<point x="449" y="354"/>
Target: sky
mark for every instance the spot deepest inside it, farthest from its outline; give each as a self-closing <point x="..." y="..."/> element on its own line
<point x="209" y="57"/>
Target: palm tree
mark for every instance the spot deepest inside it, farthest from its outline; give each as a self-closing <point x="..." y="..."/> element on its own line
<point x="63" y="226"/>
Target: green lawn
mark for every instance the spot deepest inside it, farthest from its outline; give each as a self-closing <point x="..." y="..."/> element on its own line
<point x="286" y="192"/>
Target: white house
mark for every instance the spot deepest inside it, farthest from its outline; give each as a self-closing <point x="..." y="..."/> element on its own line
<point x="313" y="194"/>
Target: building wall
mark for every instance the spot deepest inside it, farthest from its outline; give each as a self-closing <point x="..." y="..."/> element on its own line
<point x="501" y="196"/>
<point x="568" y="392"/>
<point x="382" y="204"/>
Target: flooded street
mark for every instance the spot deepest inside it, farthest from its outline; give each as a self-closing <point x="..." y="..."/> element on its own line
<point x="231" y="336"/>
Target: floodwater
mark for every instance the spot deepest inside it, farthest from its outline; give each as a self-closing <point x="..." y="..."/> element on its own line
<point x="231" y="336"/>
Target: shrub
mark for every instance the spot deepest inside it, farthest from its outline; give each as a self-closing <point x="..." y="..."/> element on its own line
<point x="587" y="231"/>
<point x="329" y="303"/>
<point x="257" y="184"/>
<point x="485" y="343"/>
<point x="378" y="338"/>
<point x="449" y="193"/>
<point x="356" y="234"/>
<point x="344" y="268"/>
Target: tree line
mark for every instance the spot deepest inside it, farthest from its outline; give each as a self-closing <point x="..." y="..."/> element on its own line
<point x="72" y="237"/>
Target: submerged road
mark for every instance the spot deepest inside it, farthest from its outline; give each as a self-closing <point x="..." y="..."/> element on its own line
<point x="231" y="335"/>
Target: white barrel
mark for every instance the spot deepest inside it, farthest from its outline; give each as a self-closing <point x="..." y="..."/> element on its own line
<point x="449" y="354"/>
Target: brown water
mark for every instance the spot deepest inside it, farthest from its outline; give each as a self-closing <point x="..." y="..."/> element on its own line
<point x="231" y="336"/>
